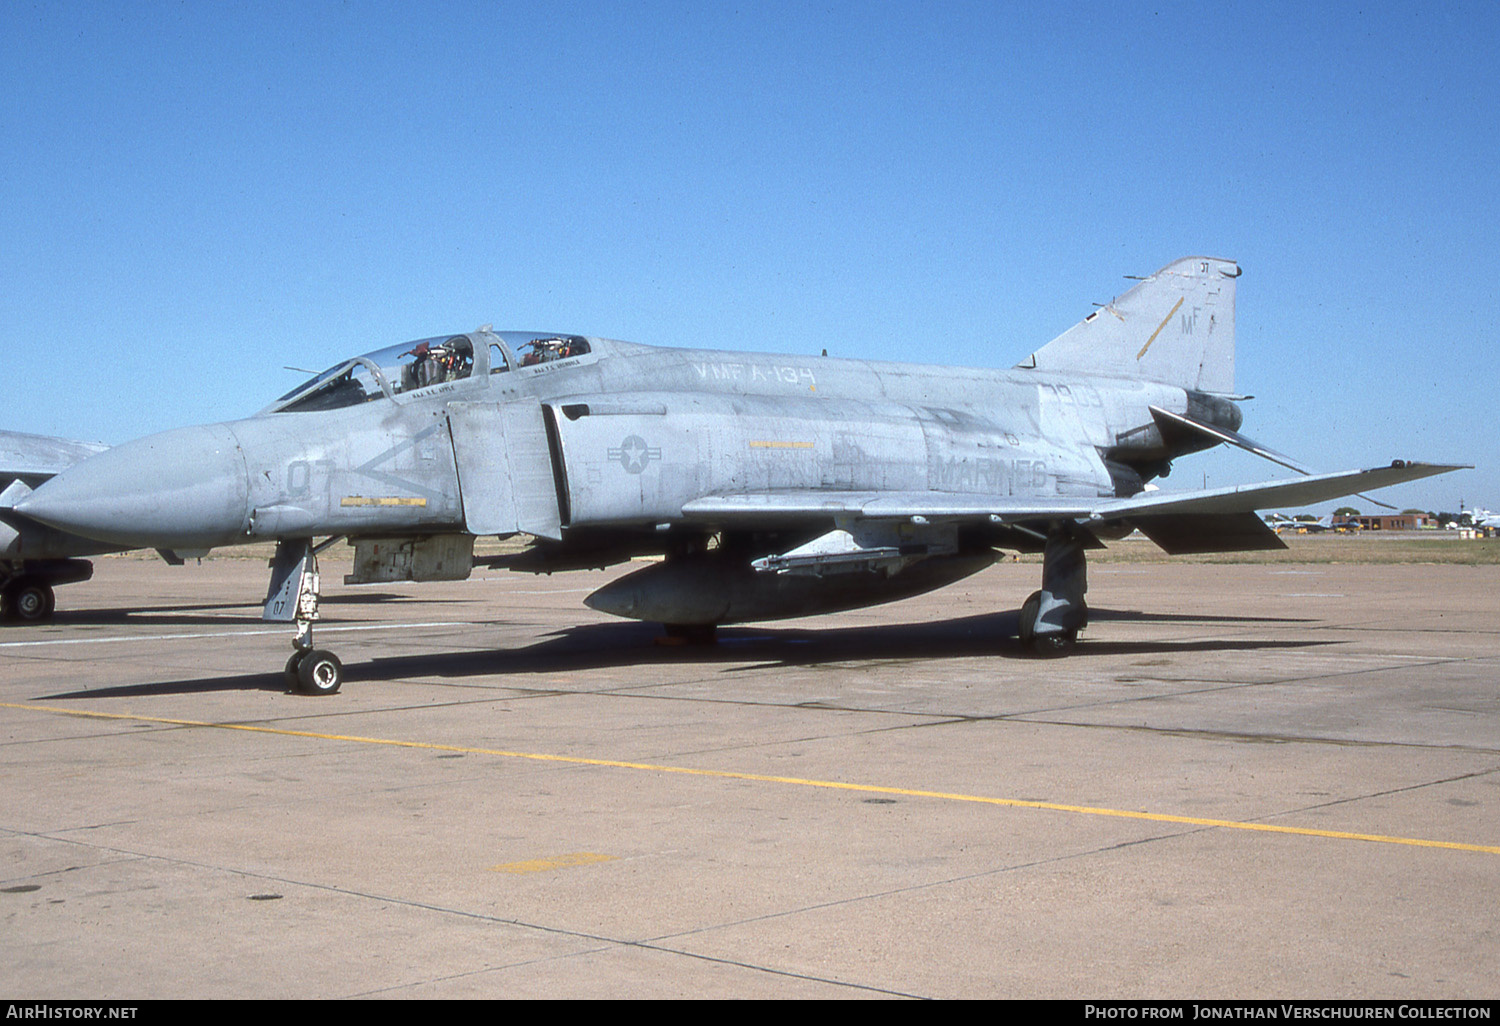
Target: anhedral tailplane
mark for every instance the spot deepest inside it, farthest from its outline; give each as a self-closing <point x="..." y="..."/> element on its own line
<point x="1175" y="327"/>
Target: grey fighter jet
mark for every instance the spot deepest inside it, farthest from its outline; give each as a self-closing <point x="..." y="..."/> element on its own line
<point x="34" y="559"/>
<point x="775" y="486"/>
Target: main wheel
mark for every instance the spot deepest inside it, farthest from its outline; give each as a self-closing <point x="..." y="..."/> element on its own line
<point x="319" y="672"/>
<point x="1030" y="610"/>
<point x="29" y="600"/>
<point x="1043" y="643"/>
<point x="1053" y="643"/>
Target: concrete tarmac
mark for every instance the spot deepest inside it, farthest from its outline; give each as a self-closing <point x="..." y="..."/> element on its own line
<point x="1251" y="781"/>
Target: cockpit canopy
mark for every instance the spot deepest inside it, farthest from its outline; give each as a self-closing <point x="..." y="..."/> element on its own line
<point x="411" y="366"/>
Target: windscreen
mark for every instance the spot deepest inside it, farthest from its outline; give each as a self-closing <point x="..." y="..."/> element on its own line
<point x="345" y="384"/>
<point x="386" y="372"/>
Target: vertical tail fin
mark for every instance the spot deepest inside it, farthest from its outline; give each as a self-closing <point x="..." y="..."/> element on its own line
<point x="1176" y="327"/>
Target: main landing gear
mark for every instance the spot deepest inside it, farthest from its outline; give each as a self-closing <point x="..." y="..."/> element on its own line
<point x="27" y="587"/>
<point x="293" y="598"/>
<point x="1052" y="617"/>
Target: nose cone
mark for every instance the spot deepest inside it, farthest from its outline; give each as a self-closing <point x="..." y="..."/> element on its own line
<point x="180" y="489"/>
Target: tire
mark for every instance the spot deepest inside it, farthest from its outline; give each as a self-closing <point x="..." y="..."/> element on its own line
<point x="1053" y="644"/>
<point x="1047" y="644"/>
<point x="294" y="683"/>
<point x="29" y="600"/>
<point x="319" y="673"/>
<point x="1030" y="610"/>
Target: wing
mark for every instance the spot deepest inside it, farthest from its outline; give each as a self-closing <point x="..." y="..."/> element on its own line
<point x="800" y="505"/>
<point x="1208" y="520"/>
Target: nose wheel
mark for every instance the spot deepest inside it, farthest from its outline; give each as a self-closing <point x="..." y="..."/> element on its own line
<point x="314" y="672"/>
<point x="293" y="598"/>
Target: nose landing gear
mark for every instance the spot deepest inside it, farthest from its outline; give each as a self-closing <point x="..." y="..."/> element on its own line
<point x="293" y="598"/>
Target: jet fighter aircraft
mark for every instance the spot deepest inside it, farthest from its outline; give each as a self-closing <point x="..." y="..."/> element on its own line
<point x="34" y="560"/>
<point x="775" y="486"/>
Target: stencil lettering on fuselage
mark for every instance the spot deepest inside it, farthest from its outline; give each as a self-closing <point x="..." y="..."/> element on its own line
<point x="990" y="476"/>
<point x="785" y="374"/>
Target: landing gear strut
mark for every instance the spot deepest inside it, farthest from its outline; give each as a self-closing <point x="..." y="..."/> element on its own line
<point x="1052" y="617"/>
<point x="293" y="598"/>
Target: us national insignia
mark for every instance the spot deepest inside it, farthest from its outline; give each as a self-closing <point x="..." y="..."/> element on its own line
<point x="634" y="454"/>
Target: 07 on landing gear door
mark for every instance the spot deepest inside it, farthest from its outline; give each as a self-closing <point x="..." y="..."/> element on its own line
<point x="505" y="468"/>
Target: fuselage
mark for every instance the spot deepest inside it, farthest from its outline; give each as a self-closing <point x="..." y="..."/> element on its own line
<point x="604" y="434"/>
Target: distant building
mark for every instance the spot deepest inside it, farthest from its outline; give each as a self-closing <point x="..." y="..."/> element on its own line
<point x="1393" y="522"/>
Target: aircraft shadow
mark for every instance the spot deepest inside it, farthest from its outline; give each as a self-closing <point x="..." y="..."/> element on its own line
<point x="198" y="613"/>
<point x="1137" y="616"/>
<point x="627" y="643"/>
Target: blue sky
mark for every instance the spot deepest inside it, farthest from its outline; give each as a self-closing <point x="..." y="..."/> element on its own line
<point x="193" y="196"/>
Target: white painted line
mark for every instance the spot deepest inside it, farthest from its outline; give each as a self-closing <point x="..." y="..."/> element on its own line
<point x="225" y="634"/>
<point x="533" y="591"/>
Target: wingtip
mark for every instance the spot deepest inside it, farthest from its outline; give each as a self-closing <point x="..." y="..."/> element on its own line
<point x="1431" y="468"/>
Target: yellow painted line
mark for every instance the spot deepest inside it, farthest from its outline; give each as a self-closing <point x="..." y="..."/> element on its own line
<point x="1160" y="326"/>
<point x="834" y="785"/>
<point x="783" y="445"/>
<point x="381" y="500"/>
<point x="577" y="858"/>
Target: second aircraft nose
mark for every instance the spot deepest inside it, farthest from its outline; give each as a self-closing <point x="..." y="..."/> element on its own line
<point x="183" y="488"/>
